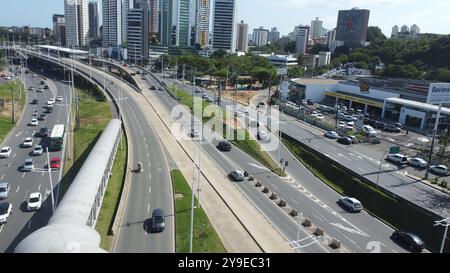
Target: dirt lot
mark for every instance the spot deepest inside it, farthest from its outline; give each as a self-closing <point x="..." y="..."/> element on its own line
<point x="241" y="96"/>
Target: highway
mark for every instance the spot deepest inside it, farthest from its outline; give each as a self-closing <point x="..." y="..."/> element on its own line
<point x="21" y="223"/>
<point x="150" y="189"/>
<point x="357" y="232"/>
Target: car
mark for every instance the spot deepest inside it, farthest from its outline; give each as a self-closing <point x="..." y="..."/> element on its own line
<point x="373" y="139"/>
<point x="224" y="146"/>
<point x="353" y="138"/>
<point x="345" y="140"/>
<point x="28" y="165"/>
<point x="262" y="135"/>
<point x="369" y="130"/>
<point x="351" y="123"/>
<point x="440" y="170"/>
<point x="393" y="129"/>
<point x="42" y="83"/>
<point x="331" y="135"/>
<point x="236" y="175"/>
<point x="152" y="87"/>
<point x="55" y="163"/>
<point x="42" y="117"/>
<point x="209" y="99"/>
<point x="52" y="99"/>
<point x="398" y="159"/>
<point x="158" y="220"/>
<point x="261" y="105"/>
<point x="31" y="88"/>
<point x="59" y="98"/>
<point x="5" y="211"/>
<point x="417" y="162"/>
<point x="27" y="142"/>
<point x="49" y="104"/>
<point x="320" y="116"/>
<point x="351" y="203"/>
<point x="304" y="102"/>
<point x="342" y="124"/>
<point x="5" y="152"/>
<point x="38" y="150"/>
<point x="195" y="133"/>
<point x="46" y="87"/>
<point x="379" y="125"/>
<point x="34" y="201"/>
<point x="398" y="125"/>
<point x="314" y="114"/>
<point x="409" y="240"/>
<point x="35" y="101"/>
<point x="43" y="132"/>
<point x="198" y="91"/>
<point x="40" y="90"/>
<point x="4" y="190"/>
<point x="239" y="114"/>
<point x="49" y="110"/>
<point x="310" y="102"/>
<point x="34" y="122"/>
<point x="348" y="118"/>
<point x="160" y="89"/>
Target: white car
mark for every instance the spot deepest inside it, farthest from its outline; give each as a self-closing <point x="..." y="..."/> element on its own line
<point x="34" y="122"/>
<point x="369" y="130"/>
<point x="342" y="124"/>
<point x="239" y="114"/>
<point x="262" y="135"/>
<point x="195" y="133"/>
<point x="398" y="159"/>
<point x="351" y="123"/>
<point x="28" y="166"/>
<point x="352" y="203"/>
<point x="27" y="142"/>
<point x="331" y="134"/>
<point x="40" y="90"/>
<point x="34" y="201"/>
<point x="52" y="99"/>
<point x="59" y="98"/>
<point x="417" y="162"/>
<point x="440" y="170"/>
<point x="50" y="103"/>
<point x="5" y="211"/>
<point x="314" y="114"/>
<point x="38" y="150"/>
<point x="5" y="152"/>
<point x="320" y="116"/>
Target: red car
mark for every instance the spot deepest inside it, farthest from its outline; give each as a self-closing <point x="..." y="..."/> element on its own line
<point x="55" y="163"/>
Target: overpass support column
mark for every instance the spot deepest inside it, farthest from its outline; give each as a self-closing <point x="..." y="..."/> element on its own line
<point x="350" y="104"/>
<point x="366" y="107"/>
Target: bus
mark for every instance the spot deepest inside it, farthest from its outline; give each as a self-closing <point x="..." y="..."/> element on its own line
<point x="57" y="138"/>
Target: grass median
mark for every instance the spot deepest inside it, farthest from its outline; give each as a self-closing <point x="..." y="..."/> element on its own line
<point x="205" y="238"/>
<point x="20" y="94"/>
<point x="112" y="197"/>
<point x="248" y="145"/>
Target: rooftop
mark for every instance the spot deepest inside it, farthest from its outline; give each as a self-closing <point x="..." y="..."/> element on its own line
<point x="420" y="105"/>
<point x="63" y="49"/>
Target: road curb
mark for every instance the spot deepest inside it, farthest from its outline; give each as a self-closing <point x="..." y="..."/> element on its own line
<point x="428" y="183"/>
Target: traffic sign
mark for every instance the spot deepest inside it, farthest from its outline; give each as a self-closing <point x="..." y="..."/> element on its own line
<point x="394" y="150"/>
<point x="282" y="71"/>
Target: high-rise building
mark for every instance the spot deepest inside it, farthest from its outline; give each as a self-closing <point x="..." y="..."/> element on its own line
<point x="224" y="25"/>
<point x="394" y="32"/>
<point x="93" y="20"/>
<point x="153" y="18"/>
<point x="324" y="58"/>
<point x="260" y="36"/>
<point x="59" y="30"/>
<point x="242" y="37"/>
<point x="202" y="20"/>
<point x="137" y="33"/>
<point x="165" y="21"/>
<point x="331" y="36"/>
<point x="77" y="22"/>
<point x="181" y="24"/>
<point x="414" y="29"/>
<point x="352" y="26"/>
<point x="404" y="29"/>
<point x="125" y="7"/>
<point x="302" y="38"/>
<point x="112" y="23"/>
<point x="316" y="28"/>
<point x="274" y="35"/>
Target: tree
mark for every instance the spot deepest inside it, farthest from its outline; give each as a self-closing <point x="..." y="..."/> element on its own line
<point x="374" y="33"/>
<point x="295" y="72"/>
<point x="290" y="47"/>
<point x="219" y="54"/>
<point x="362" y="65"/>
<point x="317" y="47"/>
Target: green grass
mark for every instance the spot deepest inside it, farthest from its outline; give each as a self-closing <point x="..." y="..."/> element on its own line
<point x="205" y="239"/>
<point x="249" y="146"/>
<point x="112" y="197"/>
<point x="20" y="94"/>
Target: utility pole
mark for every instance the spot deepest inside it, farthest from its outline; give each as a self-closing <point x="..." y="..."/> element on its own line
<point x="13" y="107"/>
<point x="51" y="182"/>
<point x="444" y="222"/>
<point x="436" y="124"/>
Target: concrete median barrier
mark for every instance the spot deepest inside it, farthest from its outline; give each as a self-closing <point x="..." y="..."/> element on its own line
<point x="306" y="222"/>
<point x="258" y="184"/>
<point x="266" y="190"/>
<point x="318" y="231"/>
<point x="273" y="196"/>
<point x="335" y="244"/>
<point x="293" y="213"/>
<point x="282" y="203"/>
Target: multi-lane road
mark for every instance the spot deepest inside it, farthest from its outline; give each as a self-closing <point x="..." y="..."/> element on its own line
<point x="21" y="222"/>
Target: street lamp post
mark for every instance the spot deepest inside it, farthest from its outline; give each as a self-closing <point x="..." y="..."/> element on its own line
<point x="444" y="222"/>
<point x="51" y="182"/>
<point x="436" y="124"/>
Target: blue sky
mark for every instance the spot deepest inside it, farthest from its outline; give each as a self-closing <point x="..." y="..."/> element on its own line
<point x="431" y="16"/>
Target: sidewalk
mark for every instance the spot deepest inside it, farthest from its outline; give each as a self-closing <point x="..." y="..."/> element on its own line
<point x="239" y="225"/>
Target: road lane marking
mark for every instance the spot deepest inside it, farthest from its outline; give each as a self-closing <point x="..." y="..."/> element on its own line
<point x="2" y="177"/>
<point x="18" y="189"/>
<point x="1" y="228"/>
<point x="23" y="175"/>
<point x="150" y="190"/>
<point x="150" y="176"/>
<point x="39" y="188"/>
<point x="148" y="208"/>
<point x="29" y="224"/>
<point x="9" y="164"/>
<point x="14" y="156"/>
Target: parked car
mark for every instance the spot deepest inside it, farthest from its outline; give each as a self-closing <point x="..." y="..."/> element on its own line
<point x="345" y="140"/>
<point x="348" y="118"/>
<point x="440" y="170"/>
<point x="417" y="162"/>
<point x="351" y="123"/>
<point x="5" y="211"/>
<point x="342" y="124"/>
<point x="352" y="204"/>
<point x="310" y="102"/>
<point x="320" y="117"/>
<point x="4" y="190"/>
<point x="398" y="125"/>
<point x="236" y="175"/>
<point x="34" y="201"/>
<point x="195" y="133"/>
<point x="398" y="159"/>
<point x="209" y="99"/>
<point x="353" y="138"/>
<point x="5" y="152"/>
<point x="262" y="135"/>
<point x="46" y="87"/>
<point x="379" y="125"/>
<point x="393" y="129"/>
<point x="224" y="146"/>
<point x="158" y="220"/>
<point x="32" y="88"/>
<point x="27" y="142"/>
<point x="55" y="163"/>
<point x="409" y="240"/>
<point x="331" y="135"/>
<point x="28" y="166"/>
<point x="369" y="130"/>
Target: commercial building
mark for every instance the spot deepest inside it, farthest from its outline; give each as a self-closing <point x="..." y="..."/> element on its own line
<point x="242" y="37"/>
<point x="137" y="34"/>
<point x="112" y="23"/>
<point x="352" y="27"/>
<point x="274" y="35"/>
<point x="93" y="20"/>
<point x="283" y="60"/>
<point x="391" y="100"/>
<point x="153" y="19"/>
<point x="77" y="22"/>
<point x="301" y="42"/>
<point x="202" y="22"/>
<point x="324" y="58"/>
<point x="224" y="25"/>
<point x="59" y="30"/>
<point x="260" y="36"/>
<point x="176" y="23"/>
<point x="316" y="28"/>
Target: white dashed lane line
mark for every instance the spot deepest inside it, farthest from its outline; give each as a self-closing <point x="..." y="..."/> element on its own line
<point x="3" y="176"/>
<point x="18" y="189"/>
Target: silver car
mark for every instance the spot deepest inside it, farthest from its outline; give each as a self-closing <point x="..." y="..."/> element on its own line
<point x="4" y="190"/>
